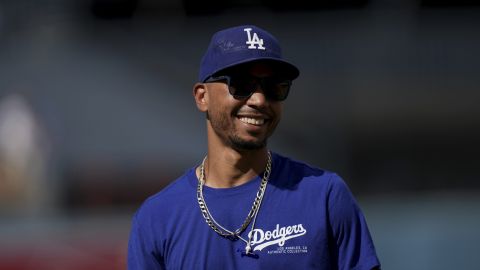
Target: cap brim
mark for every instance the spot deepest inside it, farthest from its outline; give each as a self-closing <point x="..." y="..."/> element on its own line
<point x="281" y="66"/>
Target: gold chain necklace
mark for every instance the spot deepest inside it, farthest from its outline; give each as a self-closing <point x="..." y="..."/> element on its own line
<point x="251" y="215"/>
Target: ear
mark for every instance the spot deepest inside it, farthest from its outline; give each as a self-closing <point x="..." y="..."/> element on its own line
<point x="201" y="96"/>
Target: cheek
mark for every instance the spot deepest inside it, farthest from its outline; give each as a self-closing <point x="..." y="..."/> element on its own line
<point x="218" y="97"/>
<point x="277" y="108"/>
<point x="216" y="108"/>
<point x="223" y="104"/>
<point x="219" y="110"/>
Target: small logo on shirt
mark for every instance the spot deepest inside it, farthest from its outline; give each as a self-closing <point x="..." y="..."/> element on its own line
<point x="261" y="239"/>
<point x="254" y="41"/>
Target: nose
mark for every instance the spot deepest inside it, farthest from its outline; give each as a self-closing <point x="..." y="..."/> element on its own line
<point x="257" y="98"/>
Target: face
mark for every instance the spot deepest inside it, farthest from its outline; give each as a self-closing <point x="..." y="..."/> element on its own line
<point x="243" y="123"/>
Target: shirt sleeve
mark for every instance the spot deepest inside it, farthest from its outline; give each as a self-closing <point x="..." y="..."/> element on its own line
<point x="351" y="240"/>
<point x="141" y="251"/>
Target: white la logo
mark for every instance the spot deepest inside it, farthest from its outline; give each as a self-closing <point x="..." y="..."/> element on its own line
<point x="252" y="41"/>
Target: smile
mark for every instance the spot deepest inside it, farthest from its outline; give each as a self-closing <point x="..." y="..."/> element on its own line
<point x="252" y="121"/>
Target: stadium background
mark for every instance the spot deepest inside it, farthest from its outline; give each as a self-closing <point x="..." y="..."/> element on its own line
<point x="96" y="114"/>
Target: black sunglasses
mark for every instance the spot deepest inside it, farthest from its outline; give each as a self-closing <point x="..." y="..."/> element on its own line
<point x="274" y="88"/>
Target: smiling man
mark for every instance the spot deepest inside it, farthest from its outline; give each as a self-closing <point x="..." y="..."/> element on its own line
<point x="244" y="206"/>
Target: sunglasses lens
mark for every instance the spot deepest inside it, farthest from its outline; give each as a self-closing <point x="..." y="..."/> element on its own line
<point x="241" y="87"/>
<point x="274" y="88"/>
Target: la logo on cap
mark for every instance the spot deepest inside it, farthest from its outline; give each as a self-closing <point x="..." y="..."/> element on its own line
<point x="254" y="42"/>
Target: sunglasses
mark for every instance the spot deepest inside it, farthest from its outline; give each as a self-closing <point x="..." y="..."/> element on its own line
<point x="274" y="88"/>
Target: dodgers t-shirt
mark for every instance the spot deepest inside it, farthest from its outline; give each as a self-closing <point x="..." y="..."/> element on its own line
<point x="308" y="219"/>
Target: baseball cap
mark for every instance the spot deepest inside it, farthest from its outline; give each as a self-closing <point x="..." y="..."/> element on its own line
<point x="240" y="45"/>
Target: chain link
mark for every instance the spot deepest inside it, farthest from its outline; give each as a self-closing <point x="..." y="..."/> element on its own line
<point x="212" y="223"/>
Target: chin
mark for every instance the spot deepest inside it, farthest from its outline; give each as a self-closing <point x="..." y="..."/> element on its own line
<point x="247" y="145"/>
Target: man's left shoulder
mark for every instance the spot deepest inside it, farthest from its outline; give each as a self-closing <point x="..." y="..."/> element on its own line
<point x="303" y="167"/>
<point x="297" y="172"/>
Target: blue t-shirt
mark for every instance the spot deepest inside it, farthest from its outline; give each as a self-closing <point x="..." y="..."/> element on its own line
<point x="308" y="220"/>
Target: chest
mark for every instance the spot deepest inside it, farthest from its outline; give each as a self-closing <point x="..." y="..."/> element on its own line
<point x="290" y="232"/>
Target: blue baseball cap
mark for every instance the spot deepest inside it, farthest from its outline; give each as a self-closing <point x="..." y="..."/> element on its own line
<point x="240" y="45"/>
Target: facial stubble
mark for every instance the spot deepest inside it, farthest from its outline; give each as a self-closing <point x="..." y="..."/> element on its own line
<point x="220" y="124"/>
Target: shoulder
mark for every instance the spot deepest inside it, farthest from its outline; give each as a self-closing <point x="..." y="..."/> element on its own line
<point x="289" y="171"/>
<point x="158" y="215"/>
<point x="170" y="197"/>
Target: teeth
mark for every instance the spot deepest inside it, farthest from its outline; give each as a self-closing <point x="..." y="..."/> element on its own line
<point x="252" y="121"/>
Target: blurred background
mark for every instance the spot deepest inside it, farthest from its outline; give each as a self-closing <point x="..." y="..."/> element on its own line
<point x="96" y="114"/>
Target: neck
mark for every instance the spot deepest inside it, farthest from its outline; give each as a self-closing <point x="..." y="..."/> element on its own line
<point x="230" y="168"/>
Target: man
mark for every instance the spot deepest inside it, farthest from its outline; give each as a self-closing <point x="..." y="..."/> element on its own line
<point x="245" y="207"/>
